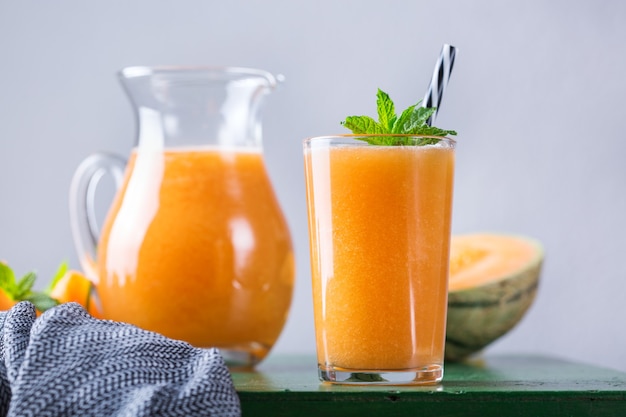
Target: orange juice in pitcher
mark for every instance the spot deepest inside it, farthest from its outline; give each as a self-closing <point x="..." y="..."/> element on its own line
<point x="195" y="245"/>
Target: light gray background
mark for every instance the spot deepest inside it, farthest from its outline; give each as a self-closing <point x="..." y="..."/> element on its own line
<point x="537" y="95"/>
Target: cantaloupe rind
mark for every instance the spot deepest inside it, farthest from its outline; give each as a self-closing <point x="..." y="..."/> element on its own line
<point x="479" y="315"/>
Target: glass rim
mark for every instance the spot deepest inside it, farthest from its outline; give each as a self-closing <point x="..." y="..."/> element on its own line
<point x="209" y="72"/>
<point x="352" y="139"/>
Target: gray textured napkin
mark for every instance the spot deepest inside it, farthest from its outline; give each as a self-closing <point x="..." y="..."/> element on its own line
<point x="67" y="363"/>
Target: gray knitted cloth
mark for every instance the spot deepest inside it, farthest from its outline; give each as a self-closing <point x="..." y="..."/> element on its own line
<point x="67" y="363"/>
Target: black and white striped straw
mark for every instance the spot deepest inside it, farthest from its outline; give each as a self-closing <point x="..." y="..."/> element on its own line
<point x="439" y="81"/>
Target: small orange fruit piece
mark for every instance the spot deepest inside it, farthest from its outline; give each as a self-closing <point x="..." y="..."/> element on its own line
<point x="5" y="301"/>
<point x="75" y="287"/>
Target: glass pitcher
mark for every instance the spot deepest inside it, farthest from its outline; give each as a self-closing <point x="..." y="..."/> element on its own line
<point x="195" y="245"/>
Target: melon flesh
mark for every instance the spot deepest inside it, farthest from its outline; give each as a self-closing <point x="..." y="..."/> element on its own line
<point x="493" y="282"/>
<point x="479" y="259"/>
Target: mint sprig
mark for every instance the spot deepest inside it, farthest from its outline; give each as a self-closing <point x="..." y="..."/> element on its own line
<point x="21" y="289"/>
<point x="412" y="122"/>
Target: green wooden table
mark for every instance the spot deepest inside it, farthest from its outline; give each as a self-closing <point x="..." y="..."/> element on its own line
<point x="529" y="386"/>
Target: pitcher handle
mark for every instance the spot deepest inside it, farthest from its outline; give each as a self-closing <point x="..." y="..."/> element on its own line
<point x="83" y="222"/>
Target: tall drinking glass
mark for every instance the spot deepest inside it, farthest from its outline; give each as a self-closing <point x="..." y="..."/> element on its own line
<point x="379" y="228"/>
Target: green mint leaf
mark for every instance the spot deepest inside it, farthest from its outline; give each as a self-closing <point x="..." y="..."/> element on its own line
<point x="431" y="131"/>
<point x="22" y="289"/>
<point x="7" y="280"/>
<point x="412" y="122"/>
<point x="386" y="111"/>
<point x="416" y="119"/>
<point x="363" y="124"/>
<point x="377" y="140"/>
<point x="404" y="118"/>
<point x="61" y="271"/>
<point x="24" y="285"/>
<point x="41" y="301"/>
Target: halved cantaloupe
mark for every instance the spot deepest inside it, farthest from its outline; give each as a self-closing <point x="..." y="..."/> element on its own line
<point x="493" y="282"/>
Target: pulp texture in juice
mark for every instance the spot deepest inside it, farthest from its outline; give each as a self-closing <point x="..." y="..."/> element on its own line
<point x="195" y="247"/>
<point x="379" y="220"/>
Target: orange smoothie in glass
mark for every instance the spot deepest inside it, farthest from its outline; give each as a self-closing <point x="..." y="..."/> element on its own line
<point x="195" y="247"/>
<point x="379" y="221"/>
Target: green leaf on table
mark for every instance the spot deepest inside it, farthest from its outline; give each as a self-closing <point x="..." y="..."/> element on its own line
<point x="22" y="289"/>
<point x="24" y="286"/>
<point x="61" y="271"/>
<point x="42" y="301"/>
<point x="7" y="279"/>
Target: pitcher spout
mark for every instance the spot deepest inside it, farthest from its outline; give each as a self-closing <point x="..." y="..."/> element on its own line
<point x="198" y="106"/>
